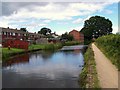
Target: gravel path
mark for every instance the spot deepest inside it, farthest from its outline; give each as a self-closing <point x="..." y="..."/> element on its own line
<point x="107" y="72"/>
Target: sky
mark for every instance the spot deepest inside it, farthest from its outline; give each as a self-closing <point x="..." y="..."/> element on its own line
<point x="60" y="17"/>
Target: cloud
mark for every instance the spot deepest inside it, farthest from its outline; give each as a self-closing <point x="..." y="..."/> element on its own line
<point x="61" y="1"/>
<point x="115" y="29"/>
<point x="47" y="21"/>
<point x="79" y="20"/>
<point x="23" y="12"/>
<point x="53" y="11"/>
<point x="108" y="11"/>
<point x="78" y="28"/>
<point x="9" y="7"/>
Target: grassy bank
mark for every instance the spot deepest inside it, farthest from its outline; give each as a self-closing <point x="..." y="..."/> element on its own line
<point x="110" y="46"/>
<point x="69" y="43"/>
<point x="45" y="46"/>
<point x="6" y="53"/>
<point x="88" y="76"/>
<point x="34" y="47"/>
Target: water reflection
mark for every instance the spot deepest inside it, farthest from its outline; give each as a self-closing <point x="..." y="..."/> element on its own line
<point x="44" y="69"/>
<point x="17" y="60"/>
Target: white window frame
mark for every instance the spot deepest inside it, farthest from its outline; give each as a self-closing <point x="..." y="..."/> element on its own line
<point x="13" y="34"/>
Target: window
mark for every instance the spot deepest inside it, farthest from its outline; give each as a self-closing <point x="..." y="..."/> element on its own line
<point x="4" y="33"/>
<point x="18" y="34"/>
<point x="13" y="34"/>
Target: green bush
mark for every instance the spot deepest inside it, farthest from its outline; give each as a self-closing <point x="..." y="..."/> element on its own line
<point x="89" y="61"/>
<point x="45" y="46"/>
<point x="69" y="43"/>
<point x="110" y="46"/>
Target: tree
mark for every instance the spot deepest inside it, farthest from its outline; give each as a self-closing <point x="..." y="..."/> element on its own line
<point x="96" y="26"/>
<point x="23" y="29"/>
<point x="44" y="31"/>
<point x="66" y="36"/>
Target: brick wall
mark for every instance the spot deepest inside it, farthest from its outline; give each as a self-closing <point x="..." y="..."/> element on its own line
<point x="16" y="44"/>
<point x="77" y="35"/>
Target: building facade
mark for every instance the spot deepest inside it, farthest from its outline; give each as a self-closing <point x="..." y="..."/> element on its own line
<point x="77" y="35"/>
<point x="19" y="37"/>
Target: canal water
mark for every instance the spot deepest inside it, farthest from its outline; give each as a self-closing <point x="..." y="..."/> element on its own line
<point x="44" y="69"/>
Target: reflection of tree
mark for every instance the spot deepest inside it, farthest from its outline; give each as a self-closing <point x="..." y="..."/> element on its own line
<point x="17" y="59"/>
<point x="44" y="54"/>
<point x="47" y="54"/>
<point x="84" y="49"/>
<point x="73" y="52"/>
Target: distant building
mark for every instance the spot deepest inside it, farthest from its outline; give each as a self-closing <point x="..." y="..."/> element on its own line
<point x="55" y="35"/>
<point x="15" y="43"/>
<point x="8" y="35"/>
<point x="77" y="35"/>
<point x="18" y="34"/>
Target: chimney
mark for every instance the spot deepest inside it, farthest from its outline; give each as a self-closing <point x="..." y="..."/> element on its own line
<point x="8" y="27"/>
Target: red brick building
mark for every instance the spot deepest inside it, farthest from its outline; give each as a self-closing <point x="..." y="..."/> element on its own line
<point x="17" y="38"/>
<point x="16" y="43"/>
<point x="18" y="34"/>
<point x="77" y="35"/>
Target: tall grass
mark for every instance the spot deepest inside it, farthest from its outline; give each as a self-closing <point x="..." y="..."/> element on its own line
<point x="45" y="46"/>
<point x="69" y="43"/>
<point x="110" y="46"/>
<point x="89" y="62"/>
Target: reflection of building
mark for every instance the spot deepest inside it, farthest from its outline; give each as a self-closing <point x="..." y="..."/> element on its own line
<point x="16" y="60"/>
<point x="77" y="35"/>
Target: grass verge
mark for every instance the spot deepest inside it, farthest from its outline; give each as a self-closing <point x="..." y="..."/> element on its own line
<point x="6" y="53"/>
<point x="88" y="76"/>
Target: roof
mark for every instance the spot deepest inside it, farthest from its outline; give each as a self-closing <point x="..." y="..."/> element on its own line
<point x="73" y="31"/>
<point x="13" y="30"/>
<point x="18" y="31"/>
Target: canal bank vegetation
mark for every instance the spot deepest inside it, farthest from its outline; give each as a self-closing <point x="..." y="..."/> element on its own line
<point x="88" y="76"/>
<point x="6" y="53"/>
<point x="110" y="46"/>
<point x="69" y="43"/>
<point x="45" y="46"/>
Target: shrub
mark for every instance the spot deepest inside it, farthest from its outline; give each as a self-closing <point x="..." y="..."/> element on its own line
<point x="110" y="45"/>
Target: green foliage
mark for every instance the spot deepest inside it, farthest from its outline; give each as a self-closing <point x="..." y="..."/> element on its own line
<point x="44" y="31"/>
<point x="69" y="43"/>
<point x="110" y="45"/>
<point x="23" y="29"/>
<point x="6" y="53"/>
<point x="49" y="36"/>
<point x="95" y="27"/>
<point x="84" y="75"/>
<point x="45" y="46"/>
<point x="67" y="37"/>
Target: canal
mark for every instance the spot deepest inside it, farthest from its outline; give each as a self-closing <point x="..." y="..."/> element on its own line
<point x="44" y="69"/>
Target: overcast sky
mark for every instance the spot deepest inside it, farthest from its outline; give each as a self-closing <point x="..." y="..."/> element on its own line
<point x="60" y="17"/>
